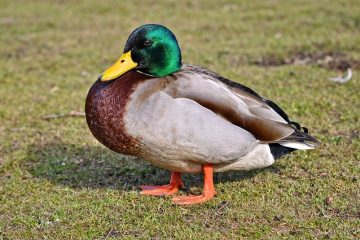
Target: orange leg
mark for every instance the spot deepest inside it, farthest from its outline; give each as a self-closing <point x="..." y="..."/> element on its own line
<point x="173" y="187"/>
<point x="208" y="192"/>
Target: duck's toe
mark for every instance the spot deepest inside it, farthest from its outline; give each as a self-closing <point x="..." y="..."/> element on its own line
<point x="159" y="190"/>
<point x="173" y="187"/>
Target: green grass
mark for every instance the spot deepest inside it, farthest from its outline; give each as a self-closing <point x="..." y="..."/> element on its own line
<point x="58" y="182"/>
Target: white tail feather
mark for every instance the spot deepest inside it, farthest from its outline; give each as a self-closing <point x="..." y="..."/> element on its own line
<point x="297" y="145"/>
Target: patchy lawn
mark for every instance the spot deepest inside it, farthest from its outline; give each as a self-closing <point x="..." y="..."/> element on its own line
<point x="58" y="182"/>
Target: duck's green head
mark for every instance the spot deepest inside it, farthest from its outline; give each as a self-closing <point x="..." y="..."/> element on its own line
<point x="151" y="49"/>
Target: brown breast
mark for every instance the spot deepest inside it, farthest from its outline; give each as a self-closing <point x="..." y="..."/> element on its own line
<point x="105" y="109"/>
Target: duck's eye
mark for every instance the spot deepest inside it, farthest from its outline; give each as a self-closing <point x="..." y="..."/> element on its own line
<point x="147" y="43"/>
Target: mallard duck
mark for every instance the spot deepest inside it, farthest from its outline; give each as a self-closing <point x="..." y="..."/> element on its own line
<point x="185" y="118"/>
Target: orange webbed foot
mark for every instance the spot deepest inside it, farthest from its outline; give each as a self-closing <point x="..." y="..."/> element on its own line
<point x="173" y="187"/>
<point x="208" y="192"/>
<point x="159" y="190"/>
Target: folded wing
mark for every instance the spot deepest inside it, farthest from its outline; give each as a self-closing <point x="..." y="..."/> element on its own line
<point x="239" y="105"/>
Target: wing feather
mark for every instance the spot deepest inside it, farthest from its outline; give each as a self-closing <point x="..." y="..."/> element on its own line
<point x="238" y="104"/>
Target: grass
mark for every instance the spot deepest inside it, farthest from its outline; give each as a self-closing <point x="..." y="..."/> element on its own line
<point x="58" y="182"/>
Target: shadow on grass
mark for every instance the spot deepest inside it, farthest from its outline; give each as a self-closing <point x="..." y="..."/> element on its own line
<point x="98" y="167"/>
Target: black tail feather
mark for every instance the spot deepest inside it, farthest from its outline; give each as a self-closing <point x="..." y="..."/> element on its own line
<point x="278" y="151"/>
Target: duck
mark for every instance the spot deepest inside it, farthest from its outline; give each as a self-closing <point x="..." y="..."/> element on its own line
<point x="185" y="118"/>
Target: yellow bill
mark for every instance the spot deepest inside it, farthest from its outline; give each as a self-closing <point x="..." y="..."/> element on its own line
<point x="121" y="66"/>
